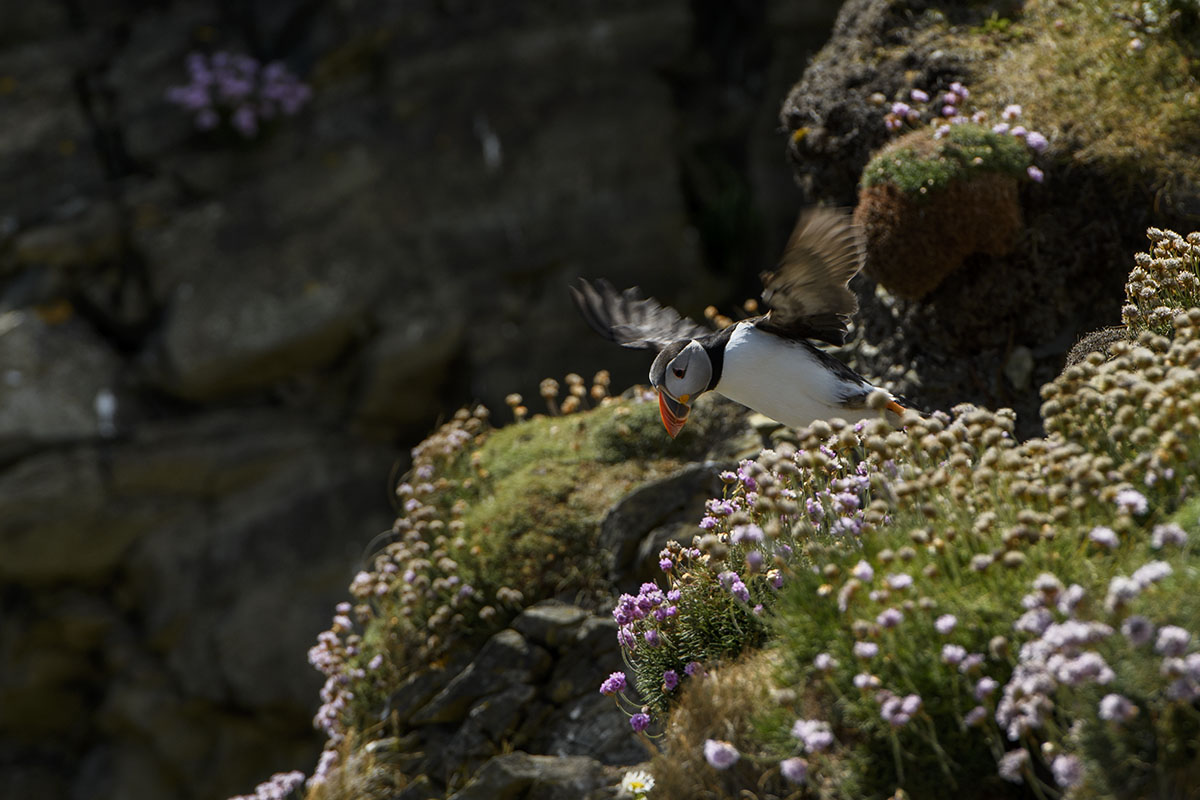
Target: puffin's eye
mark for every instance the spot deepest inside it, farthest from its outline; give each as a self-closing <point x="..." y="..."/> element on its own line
<point x="678" y="372"/>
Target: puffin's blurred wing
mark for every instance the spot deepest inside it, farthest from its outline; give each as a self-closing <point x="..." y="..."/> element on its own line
<point x="629" y="319"/>
<point x="807" y="294"/>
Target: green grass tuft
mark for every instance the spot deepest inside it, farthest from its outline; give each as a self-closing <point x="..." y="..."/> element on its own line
<point x="918" y="164"/>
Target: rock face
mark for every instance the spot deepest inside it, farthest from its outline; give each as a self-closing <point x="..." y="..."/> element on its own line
<point x="956" y="343"/>
<point x="213" y="350"/>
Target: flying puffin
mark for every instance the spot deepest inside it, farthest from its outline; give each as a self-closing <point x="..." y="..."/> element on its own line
<point x="769" y="362"/>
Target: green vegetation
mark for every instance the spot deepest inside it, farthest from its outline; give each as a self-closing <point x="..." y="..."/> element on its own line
<point x="1165" y="279"/>
<point x="491" y="521"/>
<point x="962" y="609"/>
<point x="920" y="163"/>
<point x="1111" y="81"/>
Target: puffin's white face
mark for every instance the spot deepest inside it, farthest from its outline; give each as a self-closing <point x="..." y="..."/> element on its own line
<point x="686" y="376"/>
<point x="688" y="373"/>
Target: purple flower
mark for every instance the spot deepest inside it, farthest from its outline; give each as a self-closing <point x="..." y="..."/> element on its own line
<point x="824" y="662"/>
<point x="1034" y="621"/>
<point x="975" y="716"/>
<point x="985" y="687"/>
<point x="1035" y="174"/>
<point x="278" y="787"/>
<point x="1172" y="640"/>
<point x="1121" y="590"/>
<point x="613" y="684"/>
<point x="901" y="109"/>
<point x="1089" y="667"/>
<point x="960" y="90"/>
<point x="1070" y="598"/>
<point x="744" y="473"/>
<point x="814" y="734"/>
<point x="953" y="654"/>
<point x="1117" y="708"/>
<point x="845" y="502"/>
<point x="816" y="511"/>
<point x="739" y="590"/>
<point x="1036" y="141"/>
<point x="949" y="110"/>
<point x="670" y="679"/>
<point x="846" y="526"/>
<point x="1105" y="537"/>
<point x="665" y="564"/>
<point x="1131" y="501"/>
<point x="1019" y="131"/>
<point x="720" y="755"/>
<point x="794" y="770"/>
<point x="627" y="610"/>
<point x="1010" y="113"/>
<point x="626" y="637"/>
<point x="742" y="534"/>
<point x="1067" y="770"/>
<point x="708" y="523"/>
<point x="1151" y="572"/>
<point x="889" y="618"/>
<point x="919" y="96"/>
<point x="190" y="98"/>
<point x="863" y="571"/>
<point x="865" y="680"/>
<point x="639" y="722"/>
<point x="1138" y="630"/>
<point x="651" y="637"/>
<point x="945" y="623"/>
<point x="1168" y="534"/>
<point x="899" y="581"/>
<point x="663" y="612"/>
<point x="866" y="649"/>
<point x="1000" y="128"/>
<point x="890" y="711"/>
<point x="1013" y="764"/>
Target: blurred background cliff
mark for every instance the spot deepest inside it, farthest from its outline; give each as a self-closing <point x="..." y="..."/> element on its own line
<point x="220" y="336"/>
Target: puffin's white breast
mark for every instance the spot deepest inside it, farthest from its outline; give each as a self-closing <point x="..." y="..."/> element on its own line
<point x="781" y="379"/>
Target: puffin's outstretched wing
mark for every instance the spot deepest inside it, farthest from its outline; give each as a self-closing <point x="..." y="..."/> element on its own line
<point x="630" y="320"/>
<point x="807" y="293"/>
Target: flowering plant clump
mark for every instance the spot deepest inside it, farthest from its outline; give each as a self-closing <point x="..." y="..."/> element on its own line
<point x="481" y="512"/>
<point x="978" y="609"/>
<point x="239" y="91"/>
<point x="1165" y="280"/>
<point x="721" y="589"/>
<point x="945" y="140"/>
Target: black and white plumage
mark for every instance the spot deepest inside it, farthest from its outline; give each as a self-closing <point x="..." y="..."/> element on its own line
<point x="767" y="362"/>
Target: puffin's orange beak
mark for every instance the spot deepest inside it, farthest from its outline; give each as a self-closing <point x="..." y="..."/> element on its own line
<point x="674" y="414"/>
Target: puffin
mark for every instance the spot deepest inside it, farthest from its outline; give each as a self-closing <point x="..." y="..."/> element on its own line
<point x="769" y="362"/>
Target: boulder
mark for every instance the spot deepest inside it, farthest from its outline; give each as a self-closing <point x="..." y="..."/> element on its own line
<point x="51" y="380"/>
